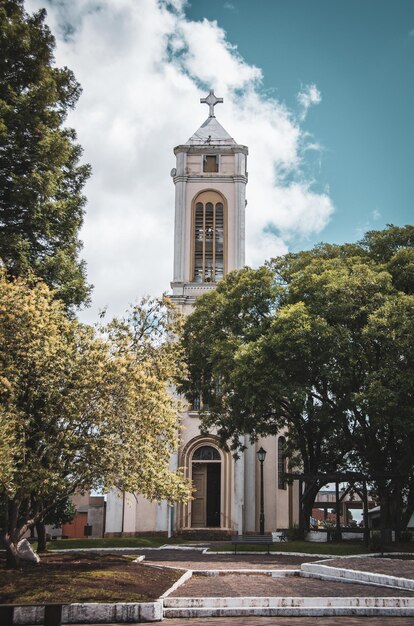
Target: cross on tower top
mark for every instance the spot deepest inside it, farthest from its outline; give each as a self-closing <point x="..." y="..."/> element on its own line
<point x="211" y="100"/>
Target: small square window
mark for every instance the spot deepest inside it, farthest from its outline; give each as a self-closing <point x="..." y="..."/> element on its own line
<point x="196" y="403"/>
<point x="210" y="163"/>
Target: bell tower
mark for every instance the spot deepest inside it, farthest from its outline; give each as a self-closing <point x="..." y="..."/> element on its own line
<point x="210" y="180"/>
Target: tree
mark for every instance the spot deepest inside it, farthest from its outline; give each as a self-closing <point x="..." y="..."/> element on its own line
<point x="41" y="180"/>
<point x="381" y="417"/>
<point x="262" y="365"/>
<point x="84" y="412"/>
<point x="371" y="385"/>
<point x="306" y="344"/>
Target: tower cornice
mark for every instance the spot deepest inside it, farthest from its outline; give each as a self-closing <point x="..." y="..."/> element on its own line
<point x="214" y="178"/>
<point x="211" y="149"/>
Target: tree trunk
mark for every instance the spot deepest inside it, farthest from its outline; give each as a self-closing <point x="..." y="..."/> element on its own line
<point x="10" y="536"/>
<point x="13" y="532"/>
<point x="12" y="558"/>
<point x="308" y="502"/>
<point x="409" y="508"/>
<point x="385" y="514"/>
<point x="396" y="510"/>
<point x="41" y="537"/>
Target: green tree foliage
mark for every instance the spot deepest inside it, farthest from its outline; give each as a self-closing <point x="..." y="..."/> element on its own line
<point x="41" y="180"/>
<point x="61" y="512"/>
<point x="320" y="343"/>
<point x="58" y="512"/>
<point x="82" y="411"/>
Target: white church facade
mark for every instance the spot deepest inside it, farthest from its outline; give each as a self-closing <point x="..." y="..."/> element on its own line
<point x="210" y="178"/>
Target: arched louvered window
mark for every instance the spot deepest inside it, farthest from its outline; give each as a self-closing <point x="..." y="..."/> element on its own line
<point x="208" y="242"/>
<point x="206" y="453"/>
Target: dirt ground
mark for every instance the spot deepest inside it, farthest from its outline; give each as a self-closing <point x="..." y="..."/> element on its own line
<point x="84" y="578"/>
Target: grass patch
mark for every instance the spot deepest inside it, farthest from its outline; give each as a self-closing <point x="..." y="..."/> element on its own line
<point x="307" y="547"/>
<point x="400" y="547"/>
<point x="84" y="578"/>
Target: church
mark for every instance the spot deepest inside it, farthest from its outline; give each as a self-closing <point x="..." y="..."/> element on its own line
<point x="231" y="496"/>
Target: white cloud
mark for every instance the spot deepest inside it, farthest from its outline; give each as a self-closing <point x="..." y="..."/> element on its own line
<point x="307" y="97"/>
<point x="143" y="67"/>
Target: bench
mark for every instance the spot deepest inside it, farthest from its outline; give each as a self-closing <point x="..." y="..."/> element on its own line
<point x="237" y="540"/>
<point x="52" y="617"/>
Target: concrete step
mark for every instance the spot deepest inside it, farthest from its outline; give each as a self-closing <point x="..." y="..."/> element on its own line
<point x="287" y="612"/>
<point x="287" y="602"/>
<point x="288" y="607"/>
<point x="305" y="611"/>
<point x="205" y="534"/>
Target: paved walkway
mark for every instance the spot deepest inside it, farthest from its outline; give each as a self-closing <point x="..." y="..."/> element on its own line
<point x="238" y="585"/>
<point x="403" y="568"/>
<point x="190" y="559"/>
<point x="235" y="585"/>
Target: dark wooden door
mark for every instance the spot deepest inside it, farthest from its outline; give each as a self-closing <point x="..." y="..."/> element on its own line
<point x="198" y="508"/>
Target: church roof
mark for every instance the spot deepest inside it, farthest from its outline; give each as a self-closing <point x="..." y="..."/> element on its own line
<point x="211" y="132"/>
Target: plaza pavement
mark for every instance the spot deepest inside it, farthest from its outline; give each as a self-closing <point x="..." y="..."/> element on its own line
<point x="258" y="583"/>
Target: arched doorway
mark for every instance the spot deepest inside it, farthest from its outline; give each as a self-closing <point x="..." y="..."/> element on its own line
<point x="206" y="477"/>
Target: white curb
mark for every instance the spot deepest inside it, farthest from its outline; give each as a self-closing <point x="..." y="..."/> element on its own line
<point x="188" y="574"/>
<point x="93" y="613"/>
<point x="349" y="575"/>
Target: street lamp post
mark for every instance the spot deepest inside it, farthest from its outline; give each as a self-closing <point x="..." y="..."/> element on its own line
<point x="261" y="455"/>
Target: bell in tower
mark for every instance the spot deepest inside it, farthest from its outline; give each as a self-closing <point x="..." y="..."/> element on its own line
<point x="210" y="196"/>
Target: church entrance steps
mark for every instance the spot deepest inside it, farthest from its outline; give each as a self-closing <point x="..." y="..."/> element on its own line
<point x="205" y="534"/>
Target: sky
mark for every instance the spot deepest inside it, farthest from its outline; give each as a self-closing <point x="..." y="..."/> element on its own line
<point x="321" y="91"/>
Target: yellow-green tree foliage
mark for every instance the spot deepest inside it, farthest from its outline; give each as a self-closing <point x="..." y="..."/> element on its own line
<point x="81" y="411"/>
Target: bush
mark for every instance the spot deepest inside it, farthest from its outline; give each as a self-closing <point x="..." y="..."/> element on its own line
<point x="295" y="533"/>
<point x="406" y="536"/>
<point x="375" y="542"/>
